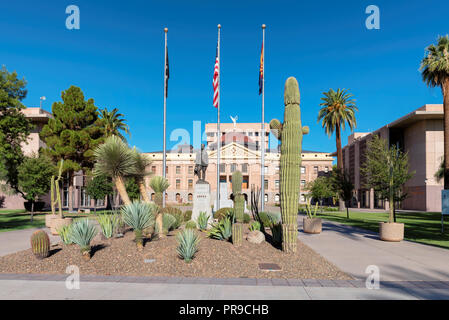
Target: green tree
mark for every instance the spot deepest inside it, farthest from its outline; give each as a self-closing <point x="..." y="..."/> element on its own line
<point x="142" y="164"/>
<point x="435" y="73"/>
<point x="34" y="178"/>
<point x="386" y="170"/>
<point x="320" y="189"/>
<point x="343" y="186"/>
<point x="132" y="188"/>
<point x="14" y="127"/>
<point x="98" y="188"/>
<point x="113" y="123"/>
<point x="73" y="134"/>
<point x="338" y="109"/>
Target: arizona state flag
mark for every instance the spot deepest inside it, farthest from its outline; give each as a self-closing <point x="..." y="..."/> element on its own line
<point x="261" y="75"/>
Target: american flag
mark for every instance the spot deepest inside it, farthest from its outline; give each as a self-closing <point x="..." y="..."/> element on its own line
<point x="215" y="82"/>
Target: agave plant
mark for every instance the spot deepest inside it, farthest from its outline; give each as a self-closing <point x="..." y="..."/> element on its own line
<point x="64" y="233"/>
<point x="221" y="230"/>
<point x="187" y="244"/>
<point x="82" y="232"/>
<point x="139" y="216"/>
<point x="108" y="224"/>
<point x="116" y="160"/>
<point x="202" y="221"/>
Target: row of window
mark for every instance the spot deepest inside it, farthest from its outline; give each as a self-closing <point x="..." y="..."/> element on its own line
<point x="249" y="133"/>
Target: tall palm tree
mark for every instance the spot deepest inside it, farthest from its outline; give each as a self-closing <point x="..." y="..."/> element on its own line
<point x="159" y="185"/>
<point x="113" y="123"/>
<point x="338" y="109"/>
<point x="116" y="160"/>
<point x="435" y="73"/>
<point x="141" y="165"/>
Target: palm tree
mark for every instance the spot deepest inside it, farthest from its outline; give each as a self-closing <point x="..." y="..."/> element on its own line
<point x="142" y="163"/>
<point x="159" y="185"/>
<point x="116" y="160"/>
<point x="338" y="109"/>
<point x="435" y="73"/>
<point x="113" y="123"/>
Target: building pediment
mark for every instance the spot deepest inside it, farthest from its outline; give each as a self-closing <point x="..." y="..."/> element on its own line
<point x="235" y="151"/>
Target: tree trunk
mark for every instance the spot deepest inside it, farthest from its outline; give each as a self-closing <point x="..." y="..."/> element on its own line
<point x="143" y="191"/>
<point x="120" y="184"/>
<point x="446" y="132"/>
<point x="347" y="212"/>
<point x="341" y="203"/>
<point x="70" y="192"/>
<point x="32" y="209"/>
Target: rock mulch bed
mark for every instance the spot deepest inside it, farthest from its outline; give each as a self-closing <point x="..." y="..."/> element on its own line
<point x="215" y="259"/>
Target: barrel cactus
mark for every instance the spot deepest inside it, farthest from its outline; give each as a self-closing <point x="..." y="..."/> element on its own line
<point x="290" y="134"/>
<point x="239" y="206"/>
<point x="40" y="244"/>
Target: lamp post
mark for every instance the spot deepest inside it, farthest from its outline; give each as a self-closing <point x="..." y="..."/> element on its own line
<point x="43" y="98"/>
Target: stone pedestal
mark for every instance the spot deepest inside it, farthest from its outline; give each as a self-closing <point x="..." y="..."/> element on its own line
<point x="201" y="200"/>
<point x="225" y="202"/>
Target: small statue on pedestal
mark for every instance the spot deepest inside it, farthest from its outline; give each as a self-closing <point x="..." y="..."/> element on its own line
<point x="201" y="163"/>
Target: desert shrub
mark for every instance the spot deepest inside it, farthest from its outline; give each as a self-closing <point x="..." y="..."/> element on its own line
<point x="202" y="221"/>
<point x="191" y="224"/>
<point x="168" y="222"/>
<point x="82" y="233"/>
<point x="64" y="233"/>
<point x="272" y="220"/>
<point x="108" y="224"/>
<point x="187" y="244"/>
<point x="177" y="213"/>
<point x="222" y="213"/>
<point x="139" y="216"/>
<point x="187" y="215"/>
<point x="221" y="230"/>
<point x="254" y="226"/>
<point x="246" y="218"/>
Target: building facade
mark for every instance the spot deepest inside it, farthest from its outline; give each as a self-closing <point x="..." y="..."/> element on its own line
<point x="420" y="134"/>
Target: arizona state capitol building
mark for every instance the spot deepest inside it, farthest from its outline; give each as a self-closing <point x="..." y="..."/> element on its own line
<point x="240" y="150"/>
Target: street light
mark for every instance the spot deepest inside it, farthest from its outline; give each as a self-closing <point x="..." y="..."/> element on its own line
<point x="43" y="98"/>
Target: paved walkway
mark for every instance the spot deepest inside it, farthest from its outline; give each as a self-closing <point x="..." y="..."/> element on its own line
<point x="353" y="249"/>
<point x="14" y="241"/>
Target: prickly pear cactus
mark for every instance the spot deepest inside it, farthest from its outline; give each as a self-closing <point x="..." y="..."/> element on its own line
<point x="290" y="134"/>
<point x="239" y="207"/>
<point x="40" y="244"/>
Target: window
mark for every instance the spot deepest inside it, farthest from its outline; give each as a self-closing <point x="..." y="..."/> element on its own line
<point x="257" y="145"/>
<point x="245" y="182"/>
<point x="233" y="167"/>
<point x="178" y="198"/>
<point x="190" y="197"/>
<point x="315" y="170"/>
<point x="303" y="169"/>
<point x="85" y="199"/>
<point x="277" y="198"/>
<point x="250" y="134"/>
<point x="65" y="197"/>
<point x="190" y="183"/>
<point x="265" y="170"/>
<point x="153" y="169"/>
<point x="152" y="196"/>
<point x="303" y="183"/>
<point x="222" y="167"/>
<point x="266" y="184"/>
<point x="326" y="169"/>
<point x="244" y="167"/>
<point x="278" y="168"/>
<point x="256" y="134"/>
<point x="178" y="183"/>
<point x="100" y="203"/>
<point x="303" y="198"/>
<point x="178" y="169"/>
<point x="266" y="197"/>
<point x="166" y="169"/>
<point x="190" y="169"/>
<point x="276" y="184"/>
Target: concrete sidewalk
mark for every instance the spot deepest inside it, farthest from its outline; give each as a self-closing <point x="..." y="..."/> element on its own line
<point x="14" y="241"/>
<point x="26" y="289"/>
<point x="353" y="250"/>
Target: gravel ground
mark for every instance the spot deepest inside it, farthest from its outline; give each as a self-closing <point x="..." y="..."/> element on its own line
<point x="215" y="259"/>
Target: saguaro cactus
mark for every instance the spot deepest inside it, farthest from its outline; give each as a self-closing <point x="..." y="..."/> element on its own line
<point x="290" y="134"/>
<point x="55" y="187"/>
<point x="239" y="206"/>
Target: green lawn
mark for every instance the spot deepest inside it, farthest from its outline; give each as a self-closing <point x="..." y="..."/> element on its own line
<point x="420" y="227"/>
<point x="19" y="219"/>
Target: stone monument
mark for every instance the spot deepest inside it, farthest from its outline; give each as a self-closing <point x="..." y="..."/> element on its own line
<point x="201" y="193"/>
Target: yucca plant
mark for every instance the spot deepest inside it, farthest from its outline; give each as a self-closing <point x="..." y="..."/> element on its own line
<point x="64" y="233"/>
<point x="202" y="221"/>
<point x="108" y="224"/>
<point x="187" y="244"/>
<point x="221" y="230"/>
<point x="168" y="222"/>
<point x="116" y="160"/>
<point x="139" y="216"/>
<point x="159" y="185"/>
<point x="142" y="162"/>
<point x="82" y="233"/>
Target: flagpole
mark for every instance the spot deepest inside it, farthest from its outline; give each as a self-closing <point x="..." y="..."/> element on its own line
<point x="218" y="122"/>
<point x="164" y="161"/>
<point x="262" y="165"/>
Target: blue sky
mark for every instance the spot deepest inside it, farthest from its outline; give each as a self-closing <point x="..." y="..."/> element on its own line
<point x="117" y="58"/>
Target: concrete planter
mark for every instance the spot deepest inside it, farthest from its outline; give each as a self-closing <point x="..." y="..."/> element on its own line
<point x="49" y="219"/>
<point x="58" y="223"/>
<point x="312" y="225"/>
<point x="391" y="231"/>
